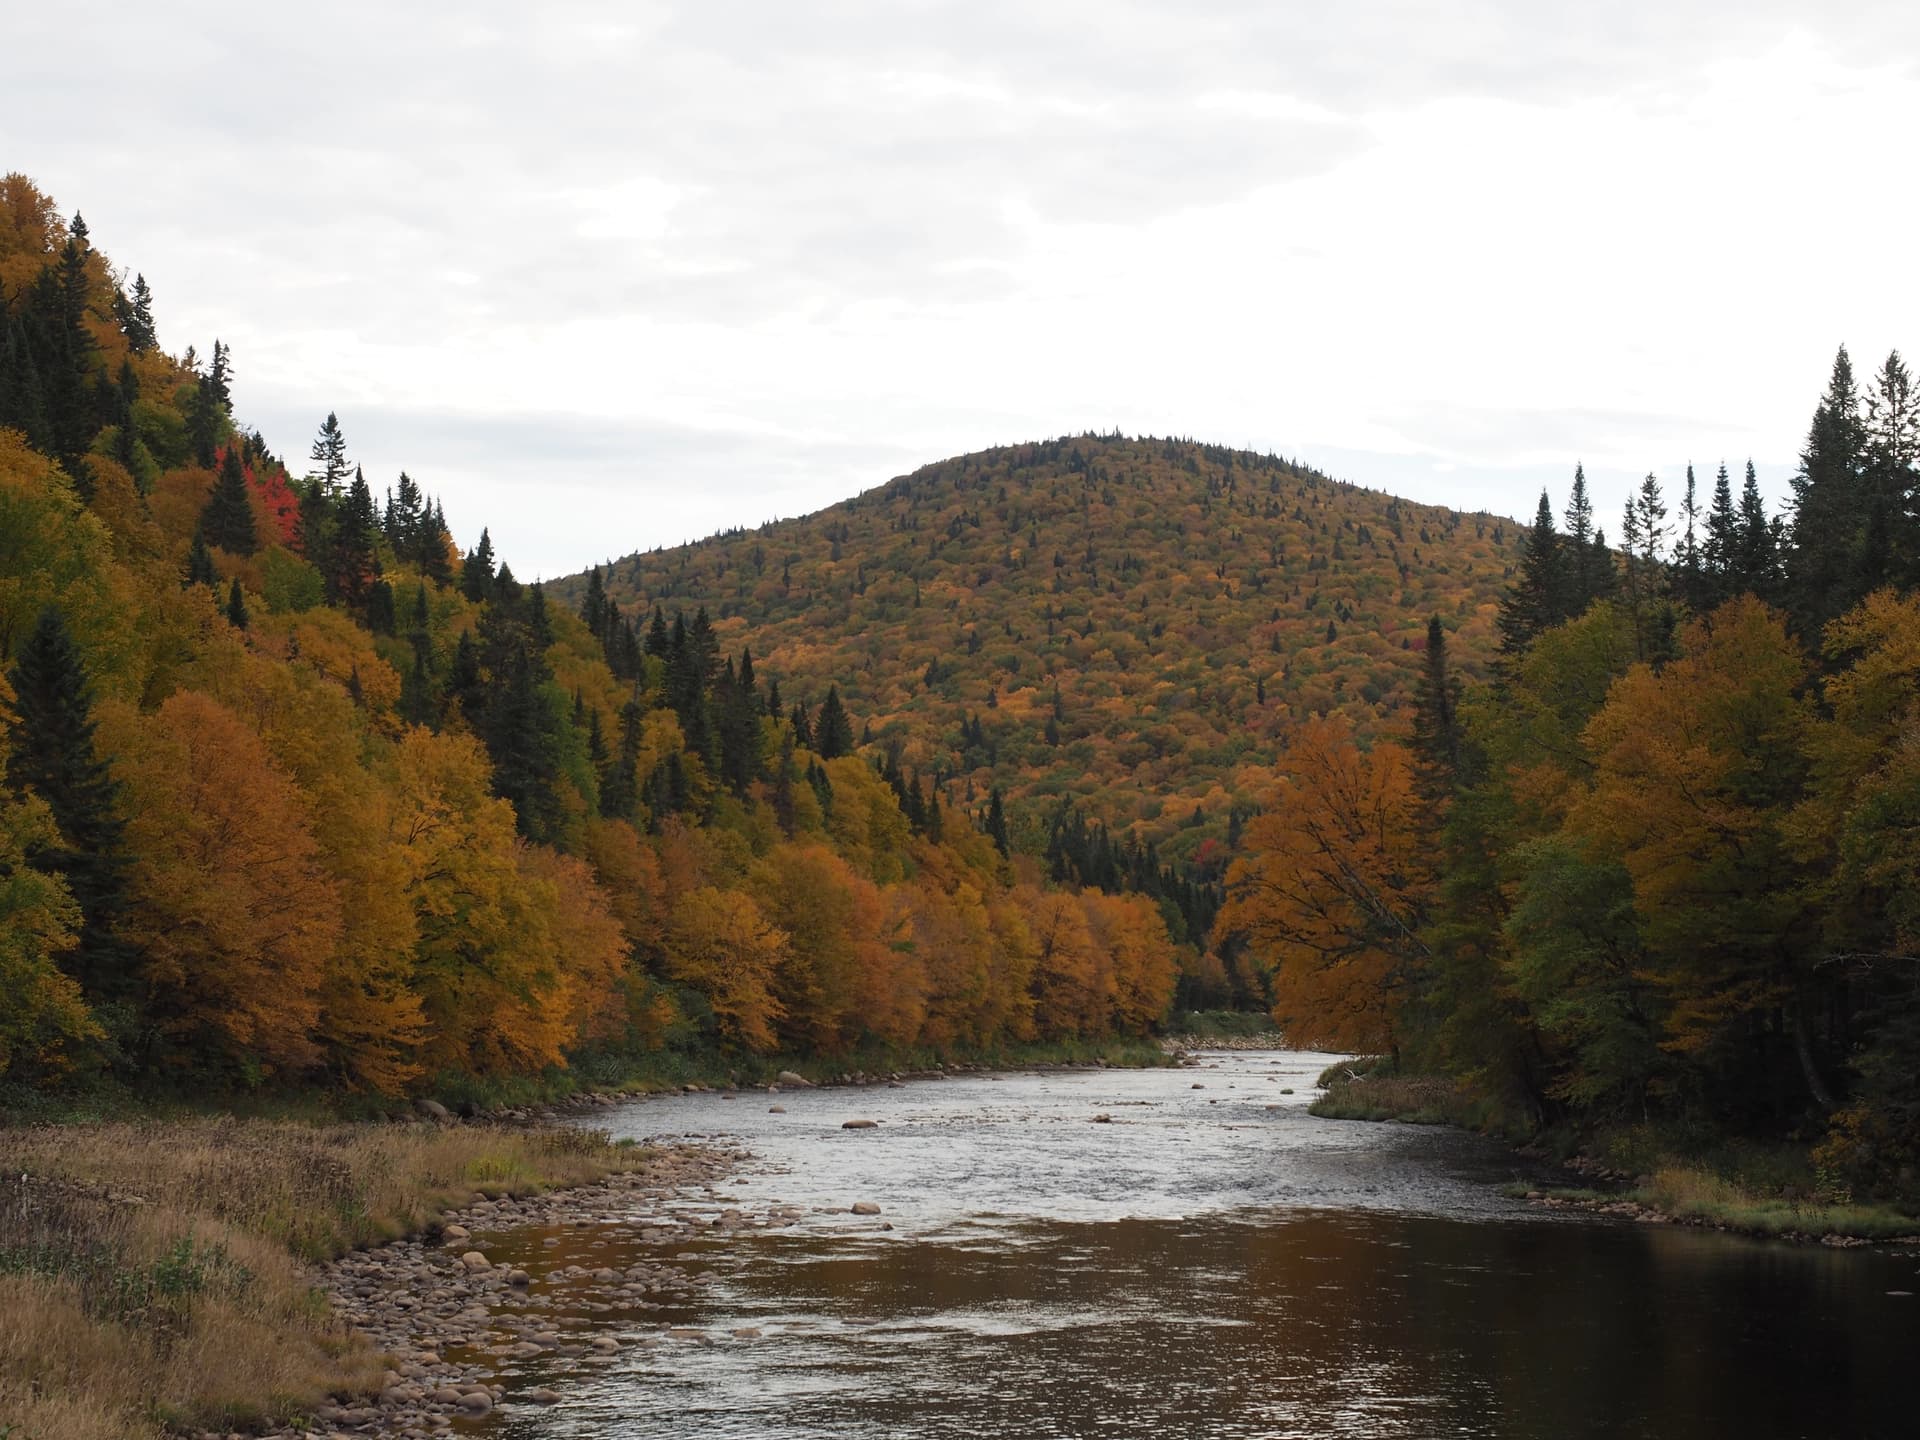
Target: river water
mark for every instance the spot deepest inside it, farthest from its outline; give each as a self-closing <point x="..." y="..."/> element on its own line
<point x="1211" y="1261"/>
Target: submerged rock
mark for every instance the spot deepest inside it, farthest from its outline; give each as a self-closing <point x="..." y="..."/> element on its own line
<point x="859" y="1124"/>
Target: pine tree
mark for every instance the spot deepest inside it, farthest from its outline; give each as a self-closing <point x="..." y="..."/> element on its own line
<point x="52" y="753"/>
<point x="236" y="607"/>
<point x="227" y="520"/>
<point x="329" y="453"/>
<point x="833" y="731"/>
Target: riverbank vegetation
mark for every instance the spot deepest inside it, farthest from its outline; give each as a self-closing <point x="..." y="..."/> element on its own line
<point x="154" y="1277"/>
<point x="299" y="796"/>
<point x="1659" y="871"/>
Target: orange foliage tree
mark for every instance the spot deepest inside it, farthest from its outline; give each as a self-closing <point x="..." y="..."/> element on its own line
<point x="233" y="913"/>
<point x="1332" y="887"/>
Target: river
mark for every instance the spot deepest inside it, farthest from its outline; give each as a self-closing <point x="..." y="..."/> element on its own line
<point x="1208" y="1261"/>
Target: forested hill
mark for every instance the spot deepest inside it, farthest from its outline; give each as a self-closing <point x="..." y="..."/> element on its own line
<point x="1126" y="623"/>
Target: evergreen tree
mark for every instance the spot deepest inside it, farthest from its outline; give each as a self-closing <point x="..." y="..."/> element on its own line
<point x="236" y="607"/>
<point x="997" y="821"/>
<point x="355" y="555"/>
<point x="1755" y="547"/>
<point x="1438" y="732"/>
<point x="833" y="732"/>
<point x="1723" y="546"/>
<point x="227" y="520"/>
<point x="1536" y="600"/>
<point x="1829" y="510"/>
<point x="1584" y="562"/>
<point x="329" y="454"/>
<point x="1891" y="485"/>
<point x="1693" y="580"/>
<point x="141" y="336"/>
<point x="593" y="605"/>
<point x="200" y="562"/>
<point x="51" y="732"/>
<point x="476" y="571"/>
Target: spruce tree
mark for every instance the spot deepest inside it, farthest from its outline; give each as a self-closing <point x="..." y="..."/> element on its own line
<point x="51" y="730"/>
<point x="355" y="560"/>
<point x="1723" y="546"/>
<point x="237" y="607"/>
<point x="200" y="562"/>
<point x="1758" y="559"/>
<point x="1584" y="584"/>
<point x="997" y="822"/>
<point x="1536" y="600"/>
<point x="833" y="731"/>
<point x="1829" y="510"/>
<point x="329" y="455"/>
<point x="141" y="336"/>
<point x="227" y="520"/>
<point x="1887" y="548"/>
<point x="476" y="571"/>
<point x="1437" y="729"/>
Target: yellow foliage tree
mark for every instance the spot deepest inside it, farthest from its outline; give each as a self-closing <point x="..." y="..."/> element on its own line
<point x="719" y="943"/>
<point x="233" y="911"/>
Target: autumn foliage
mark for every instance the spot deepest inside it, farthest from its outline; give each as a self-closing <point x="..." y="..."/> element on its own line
<point x="372" y="813"/>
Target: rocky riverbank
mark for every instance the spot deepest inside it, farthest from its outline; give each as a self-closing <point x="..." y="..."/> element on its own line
<point x="464" y="1335"/>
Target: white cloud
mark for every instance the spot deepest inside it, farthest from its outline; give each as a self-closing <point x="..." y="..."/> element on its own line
<point x="817" y="244"/>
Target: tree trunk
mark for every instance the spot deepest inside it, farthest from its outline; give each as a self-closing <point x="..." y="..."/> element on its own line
<point x="1803" y="1048"/>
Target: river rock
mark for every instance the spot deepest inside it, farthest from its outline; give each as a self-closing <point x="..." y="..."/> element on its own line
<point x="519" y="1279"/>
<point x="787" y="1077"/>
<point x="1103" y="1119"/>
<point x="475" y="1261"/>
<point x="476" y="1402"/>
<point x="776" y="1109"/>
<point x="865" y="1207"/>
<point x="858" y="1124"/>
<point x="455" y="1232"/>
<point x="433" y="1110"/>
<point x="544" y="1396"/>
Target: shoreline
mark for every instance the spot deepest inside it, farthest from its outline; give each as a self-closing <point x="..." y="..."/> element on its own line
<point x="458" y="1329"/>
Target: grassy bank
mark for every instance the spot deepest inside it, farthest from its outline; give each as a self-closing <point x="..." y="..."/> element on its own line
<point x="151" y="1274"/>
<point x="1769" y="1190"/>
<point x="1370" y="1088"/>
<point x="1205" y="1025"/>
<point x="652" y="1072"/>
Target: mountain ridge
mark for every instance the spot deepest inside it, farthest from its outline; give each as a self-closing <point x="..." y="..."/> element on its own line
<point x="1126" y="624"/>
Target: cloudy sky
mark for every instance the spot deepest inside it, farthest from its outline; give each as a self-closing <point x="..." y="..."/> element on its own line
<point x="612" y="276"/>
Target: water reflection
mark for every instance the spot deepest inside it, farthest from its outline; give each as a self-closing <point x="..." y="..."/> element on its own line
<point x="1454" y="1314"/>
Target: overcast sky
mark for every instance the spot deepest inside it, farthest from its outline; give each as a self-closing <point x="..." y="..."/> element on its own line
<point x="612" y="276"/>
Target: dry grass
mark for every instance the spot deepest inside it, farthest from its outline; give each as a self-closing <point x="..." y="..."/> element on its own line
<point x="151" y="1275"/>
<point x="1691" y="1193"/>
<point x="1416" y="1099"/>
